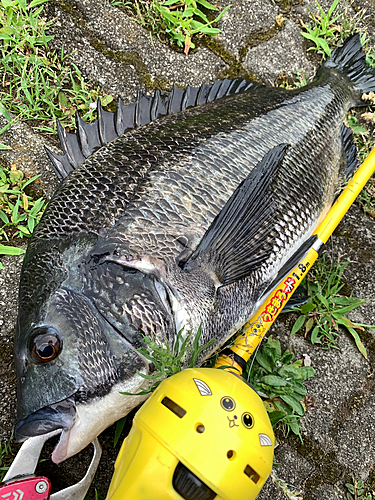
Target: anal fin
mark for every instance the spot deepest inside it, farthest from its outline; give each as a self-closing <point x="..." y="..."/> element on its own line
<point x="349" y="151"/>
<point x="298" y="298"/>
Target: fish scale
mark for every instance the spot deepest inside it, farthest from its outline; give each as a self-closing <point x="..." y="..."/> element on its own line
<point x="128" y="160"/>
<point x="205" y="206"/>
<point x="199" y="208"/>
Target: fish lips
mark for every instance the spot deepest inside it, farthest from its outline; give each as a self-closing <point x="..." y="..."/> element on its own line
<point x="61" y="415"/>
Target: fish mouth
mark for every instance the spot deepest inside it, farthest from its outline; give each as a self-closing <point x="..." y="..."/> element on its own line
<point x="81" y="423"/>
<point x="61" y="415"/>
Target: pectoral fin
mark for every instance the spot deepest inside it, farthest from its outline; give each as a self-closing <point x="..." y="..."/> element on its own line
<point x="240" y="239"/>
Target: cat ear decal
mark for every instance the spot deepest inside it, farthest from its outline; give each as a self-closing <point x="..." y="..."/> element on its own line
<point x="265" y="440"/>
<point x="203" y="388"/>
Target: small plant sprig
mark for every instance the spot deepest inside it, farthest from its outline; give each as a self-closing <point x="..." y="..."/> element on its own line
<point x="8" y="118"/>
<point x="284" y="488"/>
<point x="367" y="198"/>
<point x="323" y="30"/>
<point x="169" y="361"/>
<point x="299" y="80"/>
<point x="352" y="122"/>
<point x="365" y="141"/>
<point x="326" y="308"/>
<point x="278" y="379"/>
<point x="19" y="212"/>
<point x="180" y="20"/>
<point x="9" y="250"/>
<point x="356" y="491"/>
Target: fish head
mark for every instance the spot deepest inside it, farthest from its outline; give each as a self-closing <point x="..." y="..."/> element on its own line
<point x="74" y="355"/>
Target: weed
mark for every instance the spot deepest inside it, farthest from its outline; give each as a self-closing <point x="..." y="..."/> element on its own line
<point x="365" y="141"/>
<point x="284" y="488"/>
<point x="6" y="458"/>
<point x="326" y="308"/>
<point x="327" y="31"/>
<point x="8" y="250"/>
<point x="180" y="20"/>
<point x="169" y="361"/>
<point x="36" y="83"/>
<point x="352" y="121"/>
<point x="19" y="213"/>
<point x="278" y="378"/>
<point x="8" y="118"/>
<point x="299" y="80"/>
<point x="323" y="30"/>
<point x="356" y="491"/>
<point x="97" y="497"/>
<point x="367" y="198"/>
<point x="119" y="428"/>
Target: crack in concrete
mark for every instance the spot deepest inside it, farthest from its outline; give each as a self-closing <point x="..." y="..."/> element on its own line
<point x="131" y="59"/>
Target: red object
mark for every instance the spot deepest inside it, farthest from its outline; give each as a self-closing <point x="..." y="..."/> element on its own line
<point x="32" y="488"/>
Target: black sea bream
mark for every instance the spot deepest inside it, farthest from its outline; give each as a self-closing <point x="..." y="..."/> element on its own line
<point x="185" y="219"/>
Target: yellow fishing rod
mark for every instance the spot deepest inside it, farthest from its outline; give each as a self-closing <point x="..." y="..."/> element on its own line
<point x="260" y="323"/>
<point x="204" y="434"/>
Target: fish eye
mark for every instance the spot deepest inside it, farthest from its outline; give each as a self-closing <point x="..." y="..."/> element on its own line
<point x="228" y="403"/>
<point x="247" y="420"/>
<point x="45" y="344"/>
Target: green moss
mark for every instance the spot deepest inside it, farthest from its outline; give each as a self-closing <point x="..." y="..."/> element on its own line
<point x="66" y="6"/>
<point x="73" y="10"/>
<point x="5" y="351"/>
<point x="331" y="469"/>
<point x="287" y="5"/>
<point x="327" y="469"/>
<point x="309" y="449"/>
<point x="366" y="255"/>
<point x="133" y="59"/>
<point x="6" y="363"/>
<point x="260" y="36"/>
<point x="370" y="347"/>
<point x="343" y="231"/>
<point x="235" y="68"/>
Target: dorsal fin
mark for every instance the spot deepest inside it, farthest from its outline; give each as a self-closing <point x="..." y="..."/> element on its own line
<point x="91" y="136"/>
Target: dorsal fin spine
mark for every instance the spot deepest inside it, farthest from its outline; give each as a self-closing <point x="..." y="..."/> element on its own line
<point x="77" y="147"/>
<point x="100" y="122"/>
<point x="185" y="98"/>
<point x="118" y="117"/>
<point x="154" y="105"/>
<point x="60" y="164"/>
<point x="82" y="136"/>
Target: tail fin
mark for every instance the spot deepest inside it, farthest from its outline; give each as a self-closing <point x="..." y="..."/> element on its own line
<point x="351" y="61"/>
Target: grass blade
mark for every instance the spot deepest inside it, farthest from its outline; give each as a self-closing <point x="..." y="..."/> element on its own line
<point x="119" y="428"/>
<point x="8" y="250"/>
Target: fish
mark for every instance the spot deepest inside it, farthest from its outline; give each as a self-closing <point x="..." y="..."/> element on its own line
<point x="177" y="213"/>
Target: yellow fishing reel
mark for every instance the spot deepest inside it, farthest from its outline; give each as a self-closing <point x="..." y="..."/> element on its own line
<point x="204" y="434"/>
